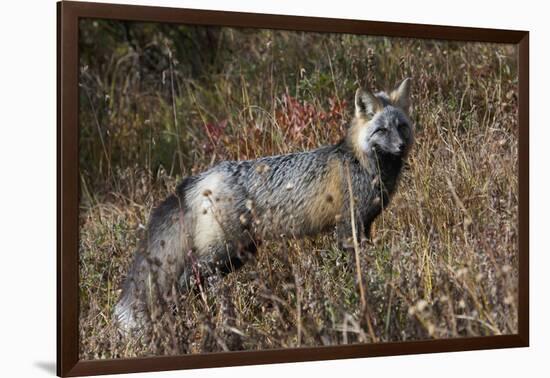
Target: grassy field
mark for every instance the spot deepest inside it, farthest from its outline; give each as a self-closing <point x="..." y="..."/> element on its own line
<point x="160" y="102"/>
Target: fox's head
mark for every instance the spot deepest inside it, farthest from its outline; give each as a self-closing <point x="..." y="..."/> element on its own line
<point x="381" y="124"/>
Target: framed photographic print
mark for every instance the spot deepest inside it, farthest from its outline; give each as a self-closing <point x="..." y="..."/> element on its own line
<point x="240" y="188"/>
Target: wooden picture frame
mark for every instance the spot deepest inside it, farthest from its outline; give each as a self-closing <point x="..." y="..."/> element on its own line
<point x="69" y="13"/>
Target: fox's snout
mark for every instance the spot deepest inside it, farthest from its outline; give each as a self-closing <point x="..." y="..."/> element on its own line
<point x="401" y="148"/>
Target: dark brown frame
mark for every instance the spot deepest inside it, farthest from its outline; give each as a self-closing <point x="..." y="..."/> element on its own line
<point x="68" y="14"/>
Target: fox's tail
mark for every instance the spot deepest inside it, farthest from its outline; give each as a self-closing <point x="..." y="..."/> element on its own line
<point x="158" y="262"/>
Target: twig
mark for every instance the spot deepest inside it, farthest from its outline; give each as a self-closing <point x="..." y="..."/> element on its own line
<point x="174" y="113"/>
<point x="493" y="329"/>
<point x="364" y="305"/>
<point x="98" y="126"/>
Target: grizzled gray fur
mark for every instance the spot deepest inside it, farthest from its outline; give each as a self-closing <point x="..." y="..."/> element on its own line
<point x="215" y="220"/>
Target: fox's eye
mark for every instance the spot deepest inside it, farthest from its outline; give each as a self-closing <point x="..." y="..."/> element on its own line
<point x="381" y="130"/>
<point x="403" y="129"/>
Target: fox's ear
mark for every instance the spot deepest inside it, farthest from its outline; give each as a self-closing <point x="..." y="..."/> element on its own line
<point x="401" y="96"/>
<point x="366" y="104"/>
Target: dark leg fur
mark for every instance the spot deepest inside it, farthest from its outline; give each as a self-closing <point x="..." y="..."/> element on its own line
<point x="228" y="258"/>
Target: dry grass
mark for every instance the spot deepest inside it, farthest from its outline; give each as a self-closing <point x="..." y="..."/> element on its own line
<point x="443" y="262"/>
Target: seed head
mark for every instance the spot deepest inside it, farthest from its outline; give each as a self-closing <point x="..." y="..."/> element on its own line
<point x="421" y="305"/>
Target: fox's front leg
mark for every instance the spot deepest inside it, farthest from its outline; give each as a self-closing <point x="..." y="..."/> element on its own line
<point x="368" y="230"/>
<point x="374" y="210"/>
<point x="349" y="226"/>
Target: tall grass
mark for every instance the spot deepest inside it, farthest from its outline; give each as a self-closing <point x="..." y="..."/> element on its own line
<point x="162" y="102"/>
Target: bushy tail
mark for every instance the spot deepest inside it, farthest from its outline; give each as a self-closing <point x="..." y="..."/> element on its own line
<point x="158" y="262"/>
<point x="129" y="312"/>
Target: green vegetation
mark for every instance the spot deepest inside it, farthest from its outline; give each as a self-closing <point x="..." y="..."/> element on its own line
<point x="159" y="102"/>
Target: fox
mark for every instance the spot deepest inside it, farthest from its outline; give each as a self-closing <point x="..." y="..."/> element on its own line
<point x="214" y="221"/>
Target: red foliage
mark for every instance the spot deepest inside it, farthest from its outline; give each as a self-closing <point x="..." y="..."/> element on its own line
<point x="296" y="116"/>
<point x="214" y="131"/>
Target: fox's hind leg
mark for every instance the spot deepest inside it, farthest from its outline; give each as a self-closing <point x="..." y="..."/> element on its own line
<point x="220" y="260"/>
<point x="221" y="238"/>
